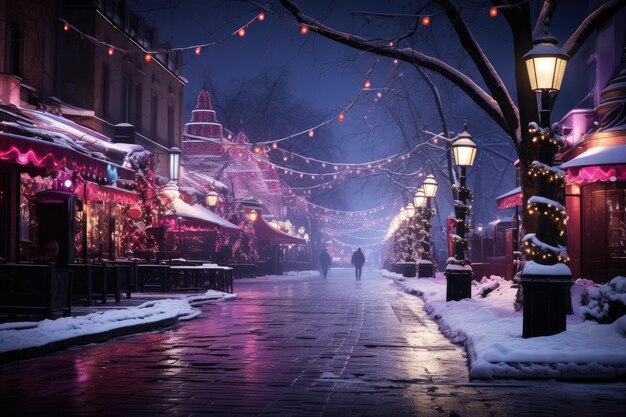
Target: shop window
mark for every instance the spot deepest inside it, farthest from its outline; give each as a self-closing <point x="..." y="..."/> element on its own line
<point x="15" y="49"/>
<point x="616" y="221"/>
<point x="154" y="115"/>
<point x="4" y="214"/>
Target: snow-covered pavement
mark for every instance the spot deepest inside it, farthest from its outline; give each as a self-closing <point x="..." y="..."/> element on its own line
<point x="491" y="331"/>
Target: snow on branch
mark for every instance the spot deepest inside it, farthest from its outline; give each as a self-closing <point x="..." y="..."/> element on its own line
<point x="545" y="17"/>
<point x="590" y="24"/>
<point x="466" y="84"/>
<point x="485" y="68"/>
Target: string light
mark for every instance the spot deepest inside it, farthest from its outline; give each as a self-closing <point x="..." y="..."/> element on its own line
<point x="304" y="29"/>
<point x="241" y="32"/>
<point x="110" y="51"/>
<point x="367" y="84"/>
<point x="426" y="20"/>
<point x="261" y="16"/>
<point x="311" y="133"/>
<point x="198" y="50"/>
<point x="66" y="27"/>
<point x="493" y="11"/>
<point x="341" y="117"/>
<point x="147" y="57"/>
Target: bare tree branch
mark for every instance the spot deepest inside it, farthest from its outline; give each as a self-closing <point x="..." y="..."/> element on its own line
<point x="477" y="94"/>
<point x="486" y="70"/>
<point x="544" y="20"/>
<point x="590" y="24"/>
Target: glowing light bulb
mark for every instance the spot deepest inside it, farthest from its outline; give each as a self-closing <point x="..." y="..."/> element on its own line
<point x="367" y="84"/>
<point x="198" y="50"/>
<point x="66" y="27"/>
<point x="241" y="32"/>
<point x="379" y="94"/>
<point x="341" y="117"/>
<point x="147" y="57"/>
<point x="67" y="183"/>
<point x="274" y="145"/>
<point x="426" y="20"/>
<point x="110" y="51"/>
<point x="304" y="29"/>
<point x="261" y="16"/>
<point x="493" y="12"/>
<point x="311" y="133"/>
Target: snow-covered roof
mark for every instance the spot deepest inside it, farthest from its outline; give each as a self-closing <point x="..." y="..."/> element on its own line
<point x="514" y="191"/>
<point x="599" y="155"/>
<point x="201" y="213"/>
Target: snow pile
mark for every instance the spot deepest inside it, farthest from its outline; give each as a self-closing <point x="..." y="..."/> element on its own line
<point x="605" y="304"/>
<point x="486" y="285"/>
<point x="48" y="331"/>
<point x="491" y="331"/>
<point x="14" y="336"/>
<point x="308" y="273"/>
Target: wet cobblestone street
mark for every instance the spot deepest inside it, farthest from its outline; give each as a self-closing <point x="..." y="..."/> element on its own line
<point x="290" y="346"/>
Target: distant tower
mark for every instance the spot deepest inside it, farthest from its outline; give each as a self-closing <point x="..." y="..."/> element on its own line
<point x="203" y="135"/>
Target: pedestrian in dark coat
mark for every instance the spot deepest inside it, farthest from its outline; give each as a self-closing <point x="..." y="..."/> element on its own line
<point x="358" y="259"/>
<point x="325" y="262"/>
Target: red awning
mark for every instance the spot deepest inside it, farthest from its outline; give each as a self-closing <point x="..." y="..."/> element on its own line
<point x="265" y="231"/>
<point x="53" y="156"/>
<point x="509" y="200"/>
<point x="597" y="164"/>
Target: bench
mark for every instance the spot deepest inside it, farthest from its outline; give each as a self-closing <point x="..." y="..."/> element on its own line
<point x="31" y="288"/>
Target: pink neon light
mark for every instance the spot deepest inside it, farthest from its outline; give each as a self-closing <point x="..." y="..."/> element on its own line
<point x="509" y="201"/>
<point x="602" y="173"/>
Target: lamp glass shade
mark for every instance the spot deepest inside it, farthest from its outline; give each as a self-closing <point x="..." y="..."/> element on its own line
<point x="430" y="186"/>
<point x="464" y="150"/>
<point x="545" y="64"/>
<point x="419" y="199"/>
<point x="174" y="163"/>
<point x="211" y="198"/>
<point x="402" y="214"/>
<point x="410" y="210"/>
<point x="252" y="215"/>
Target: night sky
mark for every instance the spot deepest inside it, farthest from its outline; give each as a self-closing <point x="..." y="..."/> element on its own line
<point x="324" y="76"/>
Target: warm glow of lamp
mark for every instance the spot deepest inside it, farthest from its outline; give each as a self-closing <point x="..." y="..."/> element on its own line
<point x="211" y="199"/>
<point x="430" y="186"/>
<point x="410" y="210"/>
<point x="252" y="215"/>
<point x="402" y="214"/>
<point x="464" y="150"/>
<point x="419" y="199"/>
<point x="545" y="64"/>
<point x="174" y="163"/>
<point x="147" y="57"/>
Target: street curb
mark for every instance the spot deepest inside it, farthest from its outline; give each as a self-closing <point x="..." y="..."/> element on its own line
<point x="36" y="351"/>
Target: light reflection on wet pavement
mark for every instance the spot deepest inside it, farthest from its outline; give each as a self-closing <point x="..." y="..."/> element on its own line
<point x="290" y="346"/>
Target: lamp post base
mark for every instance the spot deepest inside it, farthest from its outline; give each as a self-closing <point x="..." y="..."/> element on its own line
<point x="425" y="269"/>
<point x="458" y="284"/>
<point x="546" y="304"/>
<point x="407" y="269"/>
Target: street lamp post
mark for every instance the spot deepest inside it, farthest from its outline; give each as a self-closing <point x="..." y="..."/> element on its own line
<point x="546" y="279"/>
<point x="458" y="271"/>
<point x="425" y="268"/>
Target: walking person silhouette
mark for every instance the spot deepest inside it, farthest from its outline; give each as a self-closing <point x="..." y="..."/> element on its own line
<point x="325" y="262"/>
<point x="358" y="259"/>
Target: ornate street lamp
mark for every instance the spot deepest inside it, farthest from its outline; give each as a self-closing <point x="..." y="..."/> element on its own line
<point x="402" y="214"/>
<point x="546" y="65"/>
<point x="546" y="280"/>
<point x="425" y="267"/>
<point x="430" y="186"/>
<point x="252" y="215"/>
<point x="458" y="271"/>
<point x="410" y="210"/>
<point x="174" y="164"/>
<point x="211" y="199"/>
<point x="419" y="199"/>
